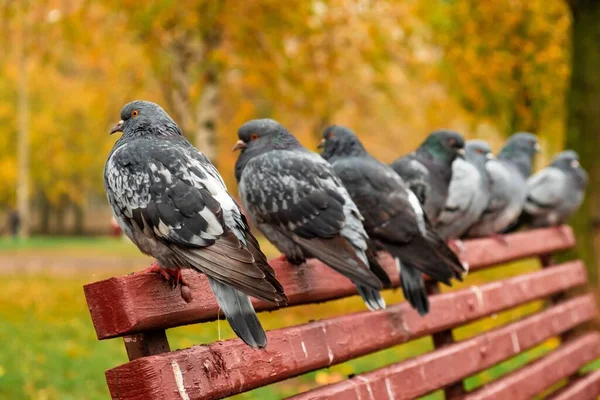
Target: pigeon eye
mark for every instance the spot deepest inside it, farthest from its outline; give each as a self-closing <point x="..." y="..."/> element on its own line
<point x="331" y="135"/>
<point x="254" y="136"/>
<point x="135" y="113"/>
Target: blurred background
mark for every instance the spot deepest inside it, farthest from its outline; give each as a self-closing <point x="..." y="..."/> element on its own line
<point x="391" y="70"/>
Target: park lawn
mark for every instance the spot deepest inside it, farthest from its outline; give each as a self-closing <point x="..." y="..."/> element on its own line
<point x="50" y="350"/>
<point x="97" y="245"/>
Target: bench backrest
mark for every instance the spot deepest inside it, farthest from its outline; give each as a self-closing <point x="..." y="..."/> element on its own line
<point x="140" y="307"/>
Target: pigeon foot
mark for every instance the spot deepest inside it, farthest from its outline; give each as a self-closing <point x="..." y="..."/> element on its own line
<point x="458" y="244"/>
<point x="500" y="238"/>
<point x="174" y="277"/>
<point x="156" y="269"/>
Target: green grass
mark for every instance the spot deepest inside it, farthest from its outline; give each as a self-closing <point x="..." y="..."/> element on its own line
<point x="50" y="350"/>
<point x="96" y="245"/>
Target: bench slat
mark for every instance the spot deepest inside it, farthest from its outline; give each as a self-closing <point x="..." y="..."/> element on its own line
<point x="435" y="370"/>
<point x="135" y="303"/>
<point x="586" y="387"/>
<point x="542" y="374"/>
<point x="229" y="367"/>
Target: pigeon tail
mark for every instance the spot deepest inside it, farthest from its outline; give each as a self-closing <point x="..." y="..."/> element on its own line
<point x="448" y="256"/>
<point x="377" y="269"/>
<point x="239" y="313"/>
<point x="524" y="219"/>
<point x="339" y="254"/>
<point x="413" y="288"/>
<point x="372" y="298"/>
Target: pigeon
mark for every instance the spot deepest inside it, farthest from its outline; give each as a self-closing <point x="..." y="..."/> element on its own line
<point x="172" y="203"/>
<point x="393" y="217"/>
<point x="555" y="192"/>
<point x="294" y="197"/>
<point x="508" y="174"/>
<point x="469" y="191"/>
<point x="428" y="170"/>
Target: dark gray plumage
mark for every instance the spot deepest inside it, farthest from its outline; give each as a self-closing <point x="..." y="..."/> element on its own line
<point x="555" y="192"/>
<point x="172" y="203"/>
<point x="294" y="197"/>
<point x="394" y="218"/>
<point x="469" y="192"/>
<point x="508" y="175"/>
<point x="428" y="170"/>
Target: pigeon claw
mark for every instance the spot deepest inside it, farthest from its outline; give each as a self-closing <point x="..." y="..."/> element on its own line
<point x="500" y="238"/>
<point x="459" y="245"/>
<point x="174" y="277"/>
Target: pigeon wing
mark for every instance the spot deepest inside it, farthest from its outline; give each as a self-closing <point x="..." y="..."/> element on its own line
<point x="177" y="198"/>
<point x="545" y="190"/>
<point x="415" y="174"/>
<point x="298" y="194"/>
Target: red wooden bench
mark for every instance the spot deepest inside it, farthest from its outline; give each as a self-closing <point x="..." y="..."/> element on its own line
<point x="140" y="307"/>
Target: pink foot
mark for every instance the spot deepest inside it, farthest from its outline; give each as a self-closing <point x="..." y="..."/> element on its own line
<point x="174" y="277"/>
<point x="500" y="238"/>
<point x="458" y="244"/>
<point x="156" y="269"/>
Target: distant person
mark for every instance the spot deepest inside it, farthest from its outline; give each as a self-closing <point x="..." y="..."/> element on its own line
<point x="14" y="222"/>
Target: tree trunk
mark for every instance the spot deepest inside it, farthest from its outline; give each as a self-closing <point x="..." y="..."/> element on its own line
<point x="23" y="136"/>
<point x="583" y="122"/>
<point x="206" y="133"/>
<point x="78" y="219"/>
<point x="45" y="212"/>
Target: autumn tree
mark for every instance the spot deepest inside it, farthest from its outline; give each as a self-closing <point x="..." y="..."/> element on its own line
<point x="506" y="62"/>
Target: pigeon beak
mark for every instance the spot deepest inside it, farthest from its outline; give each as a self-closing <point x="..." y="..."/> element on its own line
<point x="537" y="148"/>
<point x="117" y="128"/>
<point x="490" y="156"/>
<point x="574" y="164"/>
<point x="321" y="144"/>
<point x="461" y="153"/>
<point x="239" y="145"/>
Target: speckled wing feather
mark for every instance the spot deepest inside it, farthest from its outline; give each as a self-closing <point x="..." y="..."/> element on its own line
<point x="393" y="219"/>
<point x="173" y="204"/>
<point x="296" y="194"/>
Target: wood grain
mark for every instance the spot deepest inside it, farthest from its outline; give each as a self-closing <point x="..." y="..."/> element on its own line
<point x="135" y="303"/>
<point x="435" y="370"/>
<point x="533" y="379"/>
<point x="229" y="367"/>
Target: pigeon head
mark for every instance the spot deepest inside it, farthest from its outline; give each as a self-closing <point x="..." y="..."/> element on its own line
<point x="478" y="152"/>
<point x="260" y="136"/>
<point x="568" y="162"/>
<point x="339" y="141"/>
<point x="519" y="150"/>
<point x="443" y="145"/>
<point x="566" y="159"/>
<point x="139" y="118"/>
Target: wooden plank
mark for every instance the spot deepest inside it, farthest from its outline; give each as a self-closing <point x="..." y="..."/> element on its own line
<point x="435" y="370"/>
<point x="229" y="367"/>
<point x="586" y="387"/>
<point x="146" y="344"/>
<point x="540" y="375"/>
<point x="442" y="339"/>
<point x="135" y="303"/>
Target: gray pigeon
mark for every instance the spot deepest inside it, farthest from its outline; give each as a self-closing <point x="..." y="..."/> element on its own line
<point x="293" y="196"/>
<point x="394" y="218"/>
<point x="428" y="170"/>
<point x="172" y="203"/>
<point x="469" y="191"/>
<point x="508" y="175"/>
<point x="555" y="192"/>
